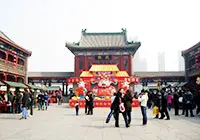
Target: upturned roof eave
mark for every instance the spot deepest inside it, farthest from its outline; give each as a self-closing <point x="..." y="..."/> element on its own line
<point x="101" y="47"/>
<point x="190" y="49"/>
<point x="15" y="45"/>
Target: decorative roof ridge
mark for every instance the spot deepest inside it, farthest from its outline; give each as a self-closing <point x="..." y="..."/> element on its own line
<point x="104" y="33"/>
<point x="123" y="32"/>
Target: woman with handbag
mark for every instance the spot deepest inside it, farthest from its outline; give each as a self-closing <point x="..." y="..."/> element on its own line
<point x="118" y="107"/>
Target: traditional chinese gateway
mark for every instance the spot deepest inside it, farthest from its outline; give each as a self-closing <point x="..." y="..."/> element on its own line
<point x="103" y="64"/>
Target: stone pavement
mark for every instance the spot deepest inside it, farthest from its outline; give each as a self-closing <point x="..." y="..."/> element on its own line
<point x="60" y="123"/>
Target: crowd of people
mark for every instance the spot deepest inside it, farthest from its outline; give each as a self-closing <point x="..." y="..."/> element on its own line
<point x="163" y="99"/>
<point x="179" y="98"/>
<point x="24" y="101"/>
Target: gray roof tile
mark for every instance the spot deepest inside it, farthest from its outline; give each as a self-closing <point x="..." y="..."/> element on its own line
<point x="102" y="40"/>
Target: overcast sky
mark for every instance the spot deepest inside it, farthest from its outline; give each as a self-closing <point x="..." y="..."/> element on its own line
<point x="43" y="27"/>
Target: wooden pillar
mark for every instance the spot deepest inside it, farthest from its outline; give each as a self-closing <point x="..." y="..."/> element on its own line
<point x="15" y="78"/>
<point x="121" y="67"/>
<point x="85" y="63"/>
<point x="76" y="64"/>
<point x="5" y="76"/>
<point x="130" y="65"/>
<point x="6" y="57"/>
<point x="25" y="69"/>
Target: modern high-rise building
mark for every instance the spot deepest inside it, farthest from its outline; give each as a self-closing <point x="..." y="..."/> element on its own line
<point x="161" y="61"/>
<point x="140" y="64"/>
<point x="181" y="63"/>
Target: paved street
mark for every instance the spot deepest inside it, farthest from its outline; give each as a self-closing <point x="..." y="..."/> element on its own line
<point x="60" y="123"/>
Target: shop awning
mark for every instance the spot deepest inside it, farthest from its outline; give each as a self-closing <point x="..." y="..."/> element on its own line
<point x="15" y="84"/>
<point x="182" y="84"/>
<point x="86" y="74"/>
<point x="53" y="88"/>
<point x="1" y="84"/>
<point x="122" y="74"/>
<point x="104" y="68"/>
<point x="34" y="87"/>
<point x="175" y="85"/>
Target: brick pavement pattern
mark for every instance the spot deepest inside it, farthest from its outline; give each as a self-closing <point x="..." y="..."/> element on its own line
<point x="60" y="123"/>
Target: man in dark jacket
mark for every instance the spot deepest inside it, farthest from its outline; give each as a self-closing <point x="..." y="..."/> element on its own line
<point x="164" y="110"/>
<point x="18" y="102"/>
<point x="86" y="102"/>
<point x="188" y="97"/>
<point x="25" y="103"/>
<point x="128" y="100"/>
<point x="39" y="98"/>
<point x="90" y="103"/>
<point x="31" y="103"/>
<point x="176" y="102"/>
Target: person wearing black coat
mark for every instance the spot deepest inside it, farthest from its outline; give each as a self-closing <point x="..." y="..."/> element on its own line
<point x="18" y="102"/>
<point x="188" y="98"/>
<point x="31" y="103"/>
<point x="25" y="103"/>
<point x="164" y="110"/>
<point x="128" y="100"/>
<point x="90" y="103"/>
<point x="86" y="102"/>
<point x="176" y="103"/>
<point x="115" y="107"/>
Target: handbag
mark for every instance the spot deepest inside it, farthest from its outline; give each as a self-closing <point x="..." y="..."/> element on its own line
<point x="121" y="106"/>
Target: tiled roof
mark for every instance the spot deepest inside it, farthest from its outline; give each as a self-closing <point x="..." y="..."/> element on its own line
<point x="160" y="74"/>
<point x="122" y="74"/>
<point x="50" y="74"/>
<point x="103" y="40"/>
<point x="104" y="68"/>
<point x="7" y="40"/>
<point x="86" y="74"/>
<point x="191" y="48"/>
<point x="5" y="37"/>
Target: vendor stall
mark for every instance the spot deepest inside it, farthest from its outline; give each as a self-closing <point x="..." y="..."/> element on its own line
<point x="53" y="91"/>
<point x="103" y="80"/>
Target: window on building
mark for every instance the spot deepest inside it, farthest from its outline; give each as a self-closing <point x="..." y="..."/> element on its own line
<point x="2" y="76"/>
<point x="20" y="61"/>
<point x="80" y="65"/>
<point x="125" y="65"/>
<point x="20" y="80"/>
<point x="89" y="65"/>
<point x="10" y="58"/>
<point x="2" y="55"/>
<point x="11" y="78"/>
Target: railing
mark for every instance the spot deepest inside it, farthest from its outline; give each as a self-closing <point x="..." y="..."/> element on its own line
<point x="10" y="67"/>
<point x="2" y="61"/>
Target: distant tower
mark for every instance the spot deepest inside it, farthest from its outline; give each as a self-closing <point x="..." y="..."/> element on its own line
<point x="181" y="64"/>
<point x="140" y="64"/>
<point x="161" y="61"/>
